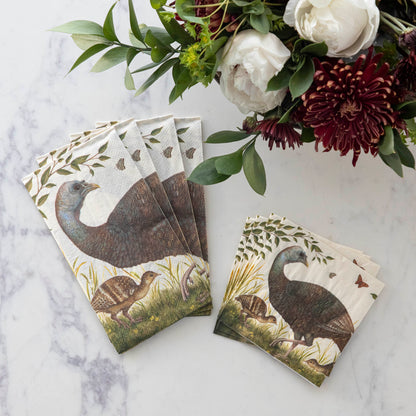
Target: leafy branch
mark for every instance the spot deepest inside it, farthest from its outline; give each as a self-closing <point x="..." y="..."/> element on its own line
<point x="259" y="237"/>
<point x="61" y="164"/>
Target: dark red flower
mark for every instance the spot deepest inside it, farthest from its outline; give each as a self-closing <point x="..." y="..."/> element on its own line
<point x="218" y="17"/>
<point x="280" y="134"/>
<point x="408" y="39"/>
<point x="405" y="72"/>
<point x="349" y="105"/>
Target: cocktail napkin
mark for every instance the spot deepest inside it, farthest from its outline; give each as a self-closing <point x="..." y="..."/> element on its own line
<point x="295" y="296"/>
<point x="189" y="132"/>
<point x="120" y="246"/>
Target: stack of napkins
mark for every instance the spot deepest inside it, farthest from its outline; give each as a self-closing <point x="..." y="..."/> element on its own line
<point x="131" y="227"/>
<point x="296" y="295"/>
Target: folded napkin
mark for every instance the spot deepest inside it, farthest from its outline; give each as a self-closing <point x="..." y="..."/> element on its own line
<point x="296" y="295"/>
<point x="122" y="249"/>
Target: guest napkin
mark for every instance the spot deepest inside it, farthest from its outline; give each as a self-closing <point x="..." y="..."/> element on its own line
<point x="189" y="132"/>
<point x="134" y="280"/>
<point x="161" y="140"/>
<point x="252" y="312"/>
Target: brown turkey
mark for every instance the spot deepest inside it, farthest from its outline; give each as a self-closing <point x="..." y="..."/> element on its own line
<point x="136" y="231"/>
<point x="310" y="310"/>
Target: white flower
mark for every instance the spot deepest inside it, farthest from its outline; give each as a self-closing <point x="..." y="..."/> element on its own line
<point x="346" y="26"/>
<point x="249" y="61"/>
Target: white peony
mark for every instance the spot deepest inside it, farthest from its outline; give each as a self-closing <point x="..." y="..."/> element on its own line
<point x="249" y="61"/>
<point x="346" y="26"/>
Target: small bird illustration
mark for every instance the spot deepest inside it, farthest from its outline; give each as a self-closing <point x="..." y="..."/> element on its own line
<point x="136" y="231"/>
<point x="120" y="164"/>
<point x="256" y="308"/>
<point x="168" y="152"/>
<point x="119" y="293"/>
<point x="136" y="155"/>
<point x="190" y="153"/>
<point x="332" y="275"/>
<point x="360" y="282"/>
<point x="324" y="369"/>
<point x="310" y="310"/>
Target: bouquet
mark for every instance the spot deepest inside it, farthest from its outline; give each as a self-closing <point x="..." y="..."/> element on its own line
<point x="340" y="73"/>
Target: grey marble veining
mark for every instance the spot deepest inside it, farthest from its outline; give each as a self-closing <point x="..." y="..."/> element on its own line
<point x="54" y="355"/>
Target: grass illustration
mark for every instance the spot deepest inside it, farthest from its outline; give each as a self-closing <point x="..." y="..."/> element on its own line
<point x="162" y="307"/>
<point x="245" y="277"/>
<point x="262" y="335"/>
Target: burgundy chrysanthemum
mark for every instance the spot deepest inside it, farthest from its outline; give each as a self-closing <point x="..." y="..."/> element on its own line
<point x="349" y="106"/>
<point x="408" y="39"/>
<point x="280" y="134"/>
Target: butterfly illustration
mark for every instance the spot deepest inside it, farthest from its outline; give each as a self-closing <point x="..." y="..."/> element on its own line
<point x="360" y="282"/>
<point x="168" y="152"/>
<point x="120" y="164"/>
<point x="190" y="153"/>
<point x="136" y="155"/>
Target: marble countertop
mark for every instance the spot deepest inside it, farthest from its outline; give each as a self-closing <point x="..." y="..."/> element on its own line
<point x="54" y="355"/>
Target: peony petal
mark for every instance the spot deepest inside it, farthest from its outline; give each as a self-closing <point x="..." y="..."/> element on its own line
<point x="289" y="15"/>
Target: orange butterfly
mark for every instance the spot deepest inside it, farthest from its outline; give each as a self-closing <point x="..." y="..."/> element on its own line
<point x="360" y="282"/>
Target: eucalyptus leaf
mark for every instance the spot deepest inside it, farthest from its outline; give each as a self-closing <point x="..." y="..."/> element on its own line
<point x="405" y="155"/>
<point x="387" y="145"/>
<point x="157" y="4"/>
<point x="157" y="131"/>
<point x="87" y="54"/>
<point x="230" y="164"/>
<point x="260" y="23"/>
<point x="108" y="27"/>
<point x="186" y="11"/>
<point x="206" y="173"/>
<point x="302" y="79"/>
<point x="227" y="136"/>
<point x="134" y="26"/>
<point x="128" y="80"/>
<point x="80" y="27"/>
<point x="42" y="200"/>
<point x="255" y="7"/>
<point x="315" y="49"/>
<point x="85" y="42"/>
<point x="183" y="80"/>
<point x="393" y="161"/>
<point x="131" y="54"/>
<point x="111" y="58"/>
<point x="254" y="169"/>
<point x="281" y="80"/>
<point x="135" y="42"/>
<point x="163" y="68"/>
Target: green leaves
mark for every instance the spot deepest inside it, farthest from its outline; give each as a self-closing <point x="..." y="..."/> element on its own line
<point x="133" y="22"/>
<point x="157" y="74"/>
<point x="111" y="58"/>
<point x="206" y="173"/>
<point x="387" y="145"/>
<point x="93" y="50"/>
<point x="302" y="79"/>
<point x="186" y="11"/>
<point x="408" y="110"/>
<point x="260" y="23"/>
<point x="254" y="169"/>
<point x="80" y="27"/>
<point x="175" y="30"/>
<point x="230" y="164"/>
<point x="281" y="80"/>
<point x="394" y="152"/>
<point x="315" y="49"/>
<point x="227" y="136"/>
<point x="108" y="27"/>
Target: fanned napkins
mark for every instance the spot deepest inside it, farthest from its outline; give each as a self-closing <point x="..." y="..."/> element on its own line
<point x="131" y="241"/>
<point x="296" y="295"/>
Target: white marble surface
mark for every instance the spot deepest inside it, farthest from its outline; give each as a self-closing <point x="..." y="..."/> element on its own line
<point x="54" y="355"/>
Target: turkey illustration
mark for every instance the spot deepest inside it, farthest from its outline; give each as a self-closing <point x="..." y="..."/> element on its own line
<point x="136" y="231"/>
<point x="310" y="310"/>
